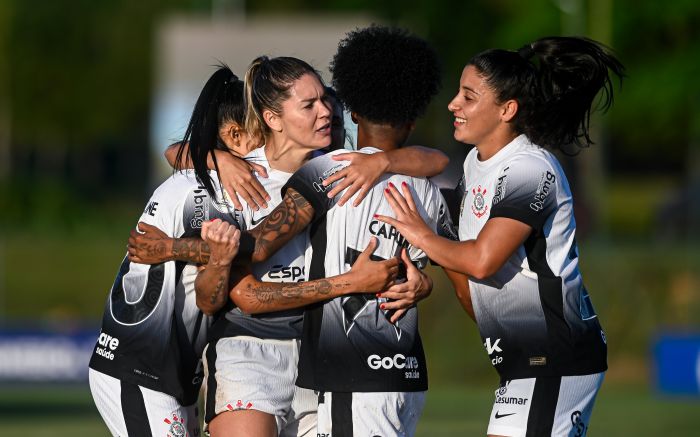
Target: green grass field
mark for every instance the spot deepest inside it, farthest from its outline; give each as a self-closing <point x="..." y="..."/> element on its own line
<point x="620" y="411"/>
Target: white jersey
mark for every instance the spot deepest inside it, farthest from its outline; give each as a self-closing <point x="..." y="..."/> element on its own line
<point x="534" y="315"/>
<point x="152" y="332"/>
<point x="349" y="345"/>
<point x="286" y="265"/>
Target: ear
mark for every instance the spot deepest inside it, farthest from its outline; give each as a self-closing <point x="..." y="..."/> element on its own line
<point x="353" y="117"/>
<point x="272" y="120"/>
<point x="509" y="110"/>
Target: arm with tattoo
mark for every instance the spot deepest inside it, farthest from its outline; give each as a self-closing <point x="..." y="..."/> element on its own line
<point x="366" y="276"/>
<point x="289" y="218"/>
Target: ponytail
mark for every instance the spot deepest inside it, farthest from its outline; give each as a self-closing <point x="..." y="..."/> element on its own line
<point x="555" y="81"/>
<point x="220" y="100"/>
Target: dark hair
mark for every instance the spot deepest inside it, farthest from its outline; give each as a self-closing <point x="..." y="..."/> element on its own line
<point x="555" y="81"/>
<point x="385" y="74"/>
<point x="220" y="101"/>
<point x="267" y="84"/>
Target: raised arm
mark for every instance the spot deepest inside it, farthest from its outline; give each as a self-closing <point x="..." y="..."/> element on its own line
<point x="237" y="175"/>
<point x="366" y="168"/>
<point x="479" y="258"/>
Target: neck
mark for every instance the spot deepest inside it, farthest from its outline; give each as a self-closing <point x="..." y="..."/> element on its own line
<point x="383" y="137"/>
<point x="285" y="155"/>
<point x="494" y="144"/>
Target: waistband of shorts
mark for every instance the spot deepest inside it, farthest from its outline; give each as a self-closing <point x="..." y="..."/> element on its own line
<point x="274" y="341"/>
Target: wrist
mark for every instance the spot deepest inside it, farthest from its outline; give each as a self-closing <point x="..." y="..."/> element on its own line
<point x="219" y="263"/>
<point x="384" y="161"/>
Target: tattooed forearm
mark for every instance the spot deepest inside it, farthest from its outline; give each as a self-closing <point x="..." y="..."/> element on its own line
<point x="219" y="290"/>
<point x="191" y="250"/>
<point x="293" y="292"/>
<point x="283" y="223"/>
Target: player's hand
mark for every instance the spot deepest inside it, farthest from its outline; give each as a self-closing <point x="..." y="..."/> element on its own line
<point x="360" y="176"/>
<point x="408" y="221"/>
<point x="223" y="239"/>
<point x="238" y="178"/>
<point x="403" y="296"/>
<point x="373" y="276"/>
<point x="149" y="245"/>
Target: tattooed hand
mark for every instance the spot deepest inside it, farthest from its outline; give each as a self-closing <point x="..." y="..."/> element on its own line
<point x="373" y="276"/>
<point x="223" y="240"/>
<point x="149" y="245"/>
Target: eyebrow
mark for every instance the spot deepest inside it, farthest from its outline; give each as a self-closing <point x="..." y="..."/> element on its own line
<point x="466" y="88"/>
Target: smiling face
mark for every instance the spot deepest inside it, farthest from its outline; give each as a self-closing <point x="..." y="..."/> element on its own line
<point x="305" y="119"/>
<point x="479" y="117"/>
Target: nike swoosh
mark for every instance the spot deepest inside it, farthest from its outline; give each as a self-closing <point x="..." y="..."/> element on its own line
<point x="498" y="416"/>
<point x="257" y="222"/>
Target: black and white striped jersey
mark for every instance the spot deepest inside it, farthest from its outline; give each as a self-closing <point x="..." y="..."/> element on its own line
<point x="534" y="315"/>
<point x="152" y="332"/>
<point x="286" y="265"/>
<point x="349" y="345"/>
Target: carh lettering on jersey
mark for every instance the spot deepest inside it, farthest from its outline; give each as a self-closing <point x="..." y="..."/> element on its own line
<point x="381" y="229"/>
<point x="200" y="209"/>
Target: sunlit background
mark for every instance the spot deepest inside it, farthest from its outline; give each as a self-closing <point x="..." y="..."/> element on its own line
<point x="91" y="92"/>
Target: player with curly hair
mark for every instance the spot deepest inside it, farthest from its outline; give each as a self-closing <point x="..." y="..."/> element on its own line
<point x="363" y="354"/>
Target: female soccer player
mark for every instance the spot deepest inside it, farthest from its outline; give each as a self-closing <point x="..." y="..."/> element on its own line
<point x="517" y="229"/>
<point x="145" y="371"/>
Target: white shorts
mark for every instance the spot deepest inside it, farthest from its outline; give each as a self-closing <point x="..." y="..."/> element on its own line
<point x="384" y="414"/>
<point x="545" y="406"/>
<point x="132" y="410"/>
<point x="251" y="373"/>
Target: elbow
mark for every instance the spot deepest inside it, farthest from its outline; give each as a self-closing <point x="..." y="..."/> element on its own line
<point x="441" y="161"/>
<point x="483" y="270"/>
<point x="237" y="297"/>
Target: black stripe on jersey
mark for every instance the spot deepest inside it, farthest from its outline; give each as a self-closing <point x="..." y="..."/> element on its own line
<point x="543" y="405"/>
<point x="210" y="402"/>
<point x="134" y="410"/>
<point x="341" y="414"/>
<point x="551" y="299"/>
<point x="313" y="315"/>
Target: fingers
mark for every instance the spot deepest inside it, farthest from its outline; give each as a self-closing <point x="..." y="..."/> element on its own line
<point x="354" y="188"/>
<point x="388" y="220"/>
<point x="408" y="196"/>
<point x="397" y="315"/>
<point x="350" y="156"/>
<point x="361" y="195"/>
<point x="253" y="194"/>
<point x="233" y="195"/>
<point x="369" y="250"/>
<point x="396" y="200"/>
<point x="260" y="170"/>
<point x="340" y="174"/>
<point x="410" y="267"/>
<point x="340" y="186"/>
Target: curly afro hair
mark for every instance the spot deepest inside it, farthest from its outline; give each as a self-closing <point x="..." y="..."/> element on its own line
<point x="386" y="75"/>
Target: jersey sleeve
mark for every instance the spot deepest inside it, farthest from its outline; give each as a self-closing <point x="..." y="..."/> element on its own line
<point x="525" y="191"/>
<point x="308" y="181"/>
<point x="164" y="209"/>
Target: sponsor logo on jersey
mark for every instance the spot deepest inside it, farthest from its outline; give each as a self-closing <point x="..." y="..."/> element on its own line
<point x="538" y="361"/>
<point x="254" y="222"/>
<point x="479" y="206"/>
<point x="399" y="361"/>
<point x="223" y="202"/>
<point x="318" y="186"/>
<point x="177" y="426"/>
<point x="151" y="208"/>
<point x="579" y="426"/>
<point x="499" y="415"/>
<point x="492" y="348"/>
<point x="542" y="192"/>
<point x="291" y="273"/>
<point x="201" y="209"/>
<point x="501" y="397"/>
<point x="381" y="229"/>
<point x="501" y="187"/>
<point x="106" y="346"/>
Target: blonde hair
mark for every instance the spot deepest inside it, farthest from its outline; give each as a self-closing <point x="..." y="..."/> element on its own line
<point x="267" y="83"/>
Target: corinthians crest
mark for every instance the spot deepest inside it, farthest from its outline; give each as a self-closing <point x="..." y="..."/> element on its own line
<point x="479" y="206"/>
